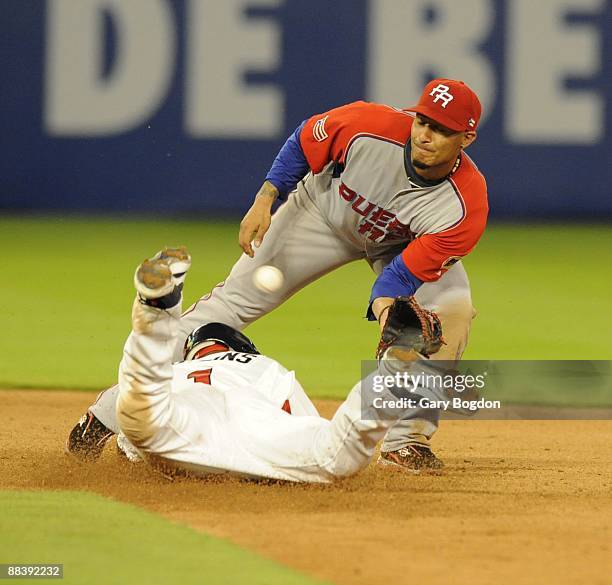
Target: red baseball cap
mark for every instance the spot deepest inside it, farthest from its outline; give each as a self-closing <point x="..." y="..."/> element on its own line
<point x="450" y="103"/>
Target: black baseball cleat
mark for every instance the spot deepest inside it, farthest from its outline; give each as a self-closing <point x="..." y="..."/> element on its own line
<point x="87" y="438"/>
<point x="414" y="458"/>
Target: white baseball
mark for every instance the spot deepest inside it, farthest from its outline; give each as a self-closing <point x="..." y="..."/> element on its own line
<point x="268" y="278"/>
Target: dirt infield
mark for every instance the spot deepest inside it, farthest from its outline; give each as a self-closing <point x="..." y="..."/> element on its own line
<point x="519" y="502"/>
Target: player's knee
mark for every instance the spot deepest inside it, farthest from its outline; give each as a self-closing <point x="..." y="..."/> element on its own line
<point x="457" y="312"/>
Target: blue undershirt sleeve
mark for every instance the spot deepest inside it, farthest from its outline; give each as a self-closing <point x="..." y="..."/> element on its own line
<point x="394" y="281"/>
<point x="290" y="165"/>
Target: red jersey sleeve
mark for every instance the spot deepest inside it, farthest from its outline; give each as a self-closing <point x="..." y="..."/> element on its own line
<point x="431" y="255"/>
<point x="326" y="137"/>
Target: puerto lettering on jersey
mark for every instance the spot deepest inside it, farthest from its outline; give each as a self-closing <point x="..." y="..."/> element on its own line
<point x="367" y="190"/>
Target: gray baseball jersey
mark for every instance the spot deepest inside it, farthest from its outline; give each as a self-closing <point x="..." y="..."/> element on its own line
<point x="364" y="185"/>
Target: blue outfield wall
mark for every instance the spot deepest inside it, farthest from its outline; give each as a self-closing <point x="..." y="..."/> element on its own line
<point x="180" y="106"/>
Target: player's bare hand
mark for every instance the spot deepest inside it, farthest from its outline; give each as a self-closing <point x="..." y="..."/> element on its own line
<point x="256" y="222"/>
<point x="253" y="228"/>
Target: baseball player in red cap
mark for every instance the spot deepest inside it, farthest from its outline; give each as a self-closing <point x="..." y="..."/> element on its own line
<point x="366" y="181"/>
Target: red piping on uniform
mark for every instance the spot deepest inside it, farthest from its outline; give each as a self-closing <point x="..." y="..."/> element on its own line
<point x="204" y="298"/>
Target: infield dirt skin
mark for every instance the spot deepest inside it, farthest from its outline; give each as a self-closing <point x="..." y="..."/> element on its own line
<point x="521" y="502"/>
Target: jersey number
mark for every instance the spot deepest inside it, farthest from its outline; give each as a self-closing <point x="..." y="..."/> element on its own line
<point x="201" y="376"/>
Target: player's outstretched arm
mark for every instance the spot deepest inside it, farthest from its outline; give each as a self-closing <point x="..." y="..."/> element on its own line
<point x="394" y="281"/>
<point x="256" y="222"/>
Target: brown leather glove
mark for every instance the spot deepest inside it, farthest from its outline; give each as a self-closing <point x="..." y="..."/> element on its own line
<point x="410" y="329"/>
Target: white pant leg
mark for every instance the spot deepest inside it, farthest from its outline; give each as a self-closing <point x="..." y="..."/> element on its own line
<point x="299" y="243"/>
<point x="450" y="297"/>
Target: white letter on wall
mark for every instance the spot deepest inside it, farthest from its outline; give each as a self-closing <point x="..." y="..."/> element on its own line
<point x="222" y="45"/>
<point x="543" y="51"/>
<point x="78" y="100"/>
<point x="403" y="47"/>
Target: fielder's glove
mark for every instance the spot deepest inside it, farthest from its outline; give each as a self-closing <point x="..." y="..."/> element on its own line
<point x="410" y="328"/>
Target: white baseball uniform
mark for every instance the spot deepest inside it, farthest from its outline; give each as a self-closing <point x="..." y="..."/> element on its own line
<point x="228" y="412"/>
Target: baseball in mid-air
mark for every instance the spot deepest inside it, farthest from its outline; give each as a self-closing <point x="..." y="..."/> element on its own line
<point x="268" y="278"/>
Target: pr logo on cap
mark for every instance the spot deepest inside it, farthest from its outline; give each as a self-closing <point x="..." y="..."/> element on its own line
<point x="441" y="92"/>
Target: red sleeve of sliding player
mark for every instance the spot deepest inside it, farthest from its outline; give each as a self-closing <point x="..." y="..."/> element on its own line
<point x="431" y="255"/>
<point x="327" y="137"/>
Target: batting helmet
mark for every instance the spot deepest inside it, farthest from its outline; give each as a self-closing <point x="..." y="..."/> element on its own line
<point x="214" y="337"/>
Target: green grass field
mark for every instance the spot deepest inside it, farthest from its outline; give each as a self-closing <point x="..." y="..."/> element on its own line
<point x="100" y="541"/>
<point x="542" y="292"/>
